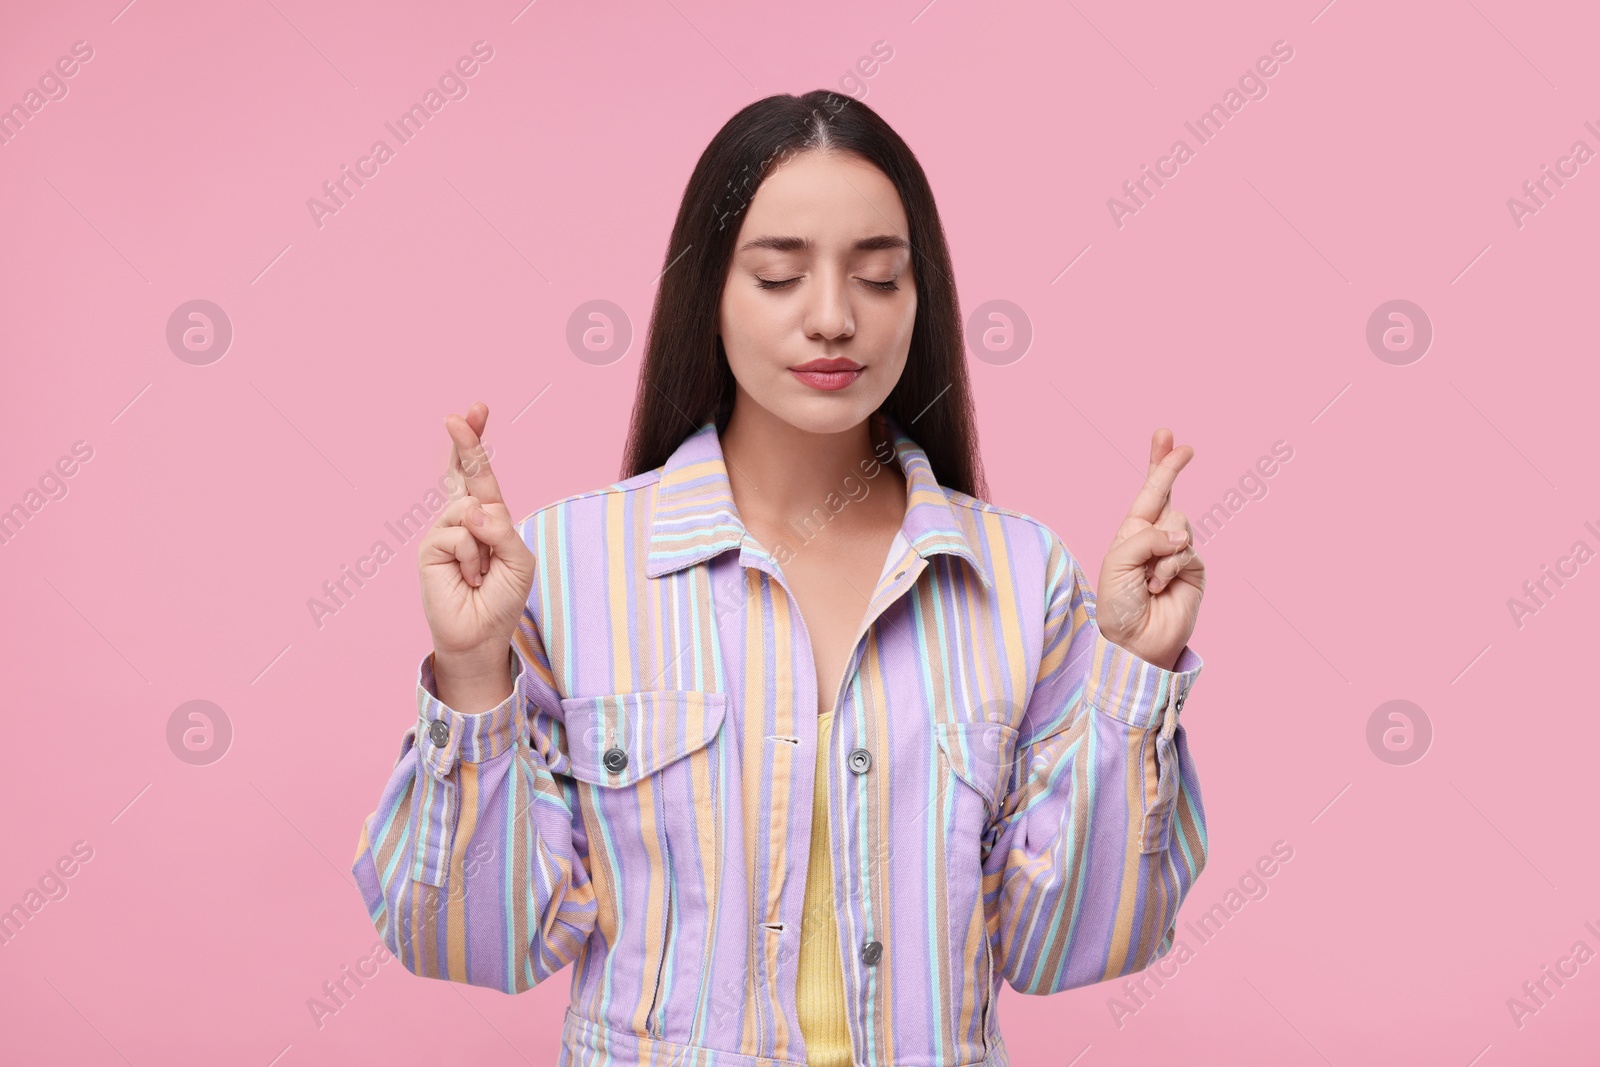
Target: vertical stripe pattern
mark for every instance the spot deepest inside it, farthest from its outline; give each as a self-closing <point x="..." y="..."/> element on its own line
<point x="1010" y="795"/>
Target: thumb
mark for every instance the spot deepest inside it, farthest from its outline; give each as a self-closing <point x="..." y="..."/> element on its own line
<point x="1151" y="542"/>
<point x="492" y="525"/>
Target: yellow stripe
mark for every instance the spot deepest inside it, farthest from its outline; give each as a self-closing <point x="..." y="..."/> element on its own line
<point x="1005" y="591"/>
<point x="819" y="993"/>
<point x="754" y="697"/>
<point x="456" y="904"/>
<point x="1128" y="899"/>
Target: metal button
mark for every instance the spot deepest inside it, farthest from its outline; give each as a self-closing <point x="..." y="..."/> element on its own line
<point x="871" y="953"/>
<point x="860" y="760"/>
<point x="439" y="732"/>
<point x="615" y="760"/>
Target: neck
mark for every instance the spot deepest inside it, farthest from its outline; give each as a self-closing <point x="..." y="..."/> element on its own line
<point x="780" y="474"/>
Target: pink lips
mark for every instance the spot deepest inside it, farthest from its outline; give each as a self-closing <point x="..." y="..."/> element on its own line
<point x="828" y="374"/>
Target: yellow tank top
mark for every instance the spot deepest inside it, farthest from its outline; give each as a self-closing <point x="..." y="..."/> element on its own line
<point x="820" y="996"/>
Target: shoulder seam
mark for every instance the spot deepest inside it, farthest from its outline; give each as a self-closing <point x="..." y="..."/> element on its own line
<point x="648" y="478"/>
<point x="972" y="503"/>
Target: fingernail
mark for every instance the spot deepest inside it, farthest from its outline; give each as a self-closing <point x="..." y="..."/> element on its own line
<point x="478" y="517"/>
<point x="1177" y="536"/>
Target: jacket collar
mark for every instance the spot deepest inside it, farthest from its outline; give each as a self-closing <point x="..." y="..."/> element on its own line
<point x="695" y="518"/>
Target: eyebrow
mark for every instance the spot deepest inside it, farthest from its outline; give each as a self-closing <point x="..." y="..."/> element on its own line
<point x="876" y="243"/>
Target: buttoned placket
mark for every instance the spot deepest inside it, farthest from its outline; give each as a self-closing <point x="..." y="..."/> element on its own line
<point x="894" y="581"/>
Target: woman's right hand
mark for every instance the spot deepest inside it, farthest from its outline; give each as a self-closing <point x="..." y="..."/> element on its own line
<point x="476" y="571"/>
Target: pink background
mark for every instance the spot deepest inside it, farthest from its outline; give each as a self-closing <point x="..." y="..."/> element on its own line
<point x="1376" y="564"/>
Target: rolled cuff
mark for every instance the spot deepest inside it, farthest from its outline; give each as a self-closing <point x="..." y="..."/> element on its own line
<point x="1134" y="690"/>
<point x="472" y="737"/>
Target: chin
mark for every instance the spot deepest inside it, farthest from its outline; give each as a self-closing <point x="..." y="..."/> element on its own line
<point x="822" y="413"/>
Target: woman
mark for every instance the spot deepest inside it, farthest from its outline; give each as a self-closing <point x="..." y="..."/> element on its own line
<point x="789" y="740"/>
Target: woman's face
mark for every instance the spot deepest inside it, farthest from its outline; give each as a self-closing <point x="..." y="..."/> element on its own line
<point x="821" y="270"/>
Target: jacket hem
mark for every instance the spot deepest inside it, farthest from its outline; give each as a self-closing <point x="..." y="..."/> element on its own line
<point x="587" y="1043"/>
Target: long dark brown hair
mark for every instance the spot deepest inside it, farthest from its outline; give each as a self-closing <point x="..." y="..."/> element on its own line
<point x="685" y="378"/>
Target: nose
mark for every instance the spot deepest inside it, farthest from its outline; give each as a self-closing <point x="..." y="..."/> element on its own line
<point x="828" y="311"/>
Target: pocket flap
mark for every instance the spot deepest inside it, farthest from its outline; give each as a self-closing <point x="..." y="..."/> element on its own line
<point x="981" y="754"/>
<point x="643" y="732"/>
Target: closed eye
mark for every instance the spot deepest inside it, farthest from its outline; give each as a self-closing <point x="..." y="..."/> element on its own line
<point x="771" y="283"/>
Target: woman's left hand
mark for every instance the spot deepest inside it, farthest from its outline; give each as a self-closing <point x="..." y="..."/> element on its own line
<point x="1150" y="586"/>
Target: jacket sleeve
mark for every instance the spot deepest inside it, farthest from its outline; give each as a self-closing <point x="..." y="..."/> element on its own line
<point x="1101" y="832"/>
<point x="473" y="868"/>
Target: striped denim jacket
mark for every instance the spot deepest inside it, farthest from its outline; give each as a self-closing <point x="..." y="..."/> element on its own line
<point x="1010" y="795"/>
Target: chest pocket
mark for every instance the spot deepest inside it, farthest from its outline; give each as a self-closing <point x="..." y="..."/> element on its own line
<point x="616" y="740"/>
<point x="980" y="754"/>
<point x="654" y="784"/>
